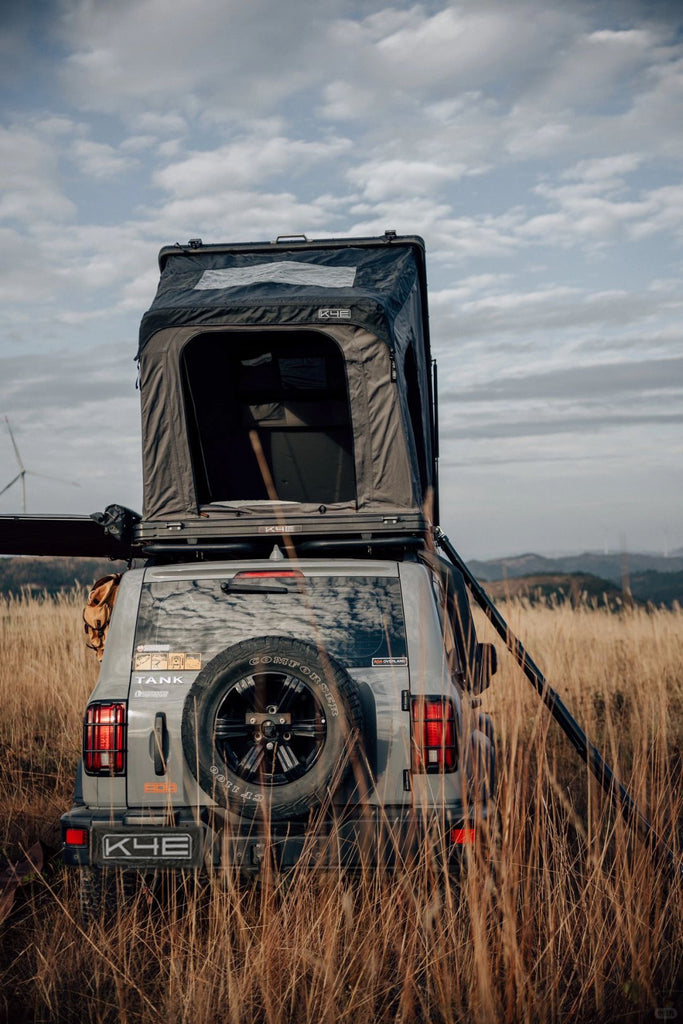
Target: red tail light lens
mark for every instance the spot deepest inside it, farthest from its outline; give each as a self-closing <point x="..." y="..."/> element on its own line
<point x="461" y="836"/>
<point x="76" y="837"/>
<point x="435" y="744"/>
<point x="104" y="739"/>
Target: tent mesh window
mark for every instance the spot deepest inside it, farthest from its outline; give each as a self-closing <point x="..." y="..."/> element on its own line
<point x="269" y="417"/>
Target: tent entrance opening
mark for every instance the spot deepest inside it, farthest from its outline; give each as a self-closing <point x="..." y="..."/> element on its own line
<point x="269" y="417"/>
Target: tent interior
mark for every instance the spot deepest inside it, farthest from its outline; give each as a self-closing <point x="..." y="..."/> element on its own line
<point x="269" y="417"/>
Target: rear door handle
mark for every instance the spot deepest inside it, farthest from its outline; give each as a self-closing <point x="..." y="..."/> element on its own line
<point x="160" y="743"/>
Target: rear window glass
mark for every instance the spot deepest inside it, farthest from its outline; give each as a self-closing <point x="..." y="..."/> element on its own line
<point x="358" y="620"/>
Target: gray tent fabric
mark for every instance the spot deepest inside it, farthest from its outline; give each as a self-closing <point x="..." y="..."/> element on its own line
<point x="316" y="358"/>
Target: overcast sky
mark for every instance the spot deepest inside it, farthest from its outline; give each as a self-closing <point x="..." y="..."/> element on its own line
<point x="536" y="146"/>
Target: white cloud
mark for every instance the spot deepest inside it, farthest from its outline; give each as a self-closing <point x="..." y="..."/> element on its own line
<point x="593" y="64"/>
<point x="606" y="168"/>
<point x="96" y="257"/>
<point x="530" y="135"/>
<point x="558" y="311"/>
<point x="158" y="123"/>
<point x="32" y="190"/>
<point x="600" y="208"/>
<point x="137" y="143"/>
<point x="346" y="101"/>
<point x="99" y="159"/>
<point x="55" y="126"/>
<point x="459" y="47"/>
<point x="664" y="208"/>
<point x="456" y="44"/>
<point x="169" y="149"/>
<point x="587" y="385"/>
<point x="245" y="161"/>
<point x="443" y="300"/>
<point x="655" y="111"/>
<point x="189" y="56"/>
<point x="380" y="179"/>
<point x="243" y="214"/>
<point x="502" y="305"/>
<point x="26" y="277"/>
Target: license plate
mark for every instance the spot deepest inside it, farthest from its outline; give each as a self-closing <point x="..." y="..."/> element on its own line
<point x="126" y="846"/>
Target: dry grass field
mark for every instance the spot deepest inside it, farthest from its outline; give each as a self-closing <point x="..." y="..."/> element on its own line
<point x="564" y="918"/>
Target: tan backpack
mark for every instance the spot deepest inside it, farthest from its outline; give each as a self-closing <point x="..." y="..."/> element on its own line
<point x="97" y="612"/>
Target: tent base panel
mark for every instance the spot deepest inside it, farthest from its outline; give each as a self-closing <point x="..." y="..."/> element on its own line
<point x="330" y="525"/>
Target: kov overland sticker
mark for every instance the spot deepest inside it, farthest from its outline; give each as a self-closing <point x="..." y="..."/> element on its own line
<point x="390" y="662"/>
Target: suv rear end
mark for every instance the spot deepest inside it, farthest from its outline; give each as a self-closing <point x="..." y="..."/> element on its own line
<point x="314" y="708"/>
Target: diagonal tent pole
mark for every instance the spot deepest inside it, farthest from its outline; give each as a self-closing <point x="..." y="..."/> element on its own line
<point x="634" y="818"/>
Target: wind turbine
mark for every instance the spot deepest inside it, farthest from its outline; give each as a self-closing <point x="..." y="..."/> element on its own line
<point x="23" y="473"/>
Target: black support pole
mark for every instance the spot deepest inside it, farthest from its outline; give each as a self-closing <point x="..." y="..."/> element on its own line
<point x="635" y="819"/>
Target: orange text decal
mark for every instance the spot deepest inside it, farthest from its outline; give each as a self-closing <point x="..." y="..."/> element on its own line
<point x="161" y="787"/>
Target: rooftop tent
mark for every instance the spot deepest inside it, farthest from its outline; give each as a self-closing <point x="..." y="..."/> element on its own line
<point x="293" y="374"/>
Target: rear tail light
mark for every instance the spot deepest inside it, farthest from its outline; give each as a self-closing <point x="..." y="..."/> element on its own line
<point x="104" y="739"/>
<point x="435" y="744"/>
<point x="461" y="836"/>
<point x="76" y="837"/>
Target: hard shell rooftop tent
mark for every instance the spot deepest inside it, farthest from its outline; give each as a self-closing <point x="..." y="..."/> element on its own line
<point x="287" y="382"/>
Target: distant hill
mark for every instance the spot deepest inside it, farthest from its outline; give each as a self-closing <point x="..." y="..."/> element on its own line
<point x="658" y="587"/>
<point x="644" y="586"/>
<point x="575" y="588"/>
<point x="607" y="566"/>
<point x="52" y="574"/>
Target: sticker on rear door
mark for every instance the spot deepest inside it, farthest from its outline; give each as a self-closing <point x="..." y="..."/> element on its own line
<point x="169" y="661"/>
<point x="391" y="662"/>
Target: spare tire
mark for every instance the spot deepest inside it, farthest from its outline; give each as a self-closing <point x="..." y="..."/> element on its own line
<point x="269" y="724"/>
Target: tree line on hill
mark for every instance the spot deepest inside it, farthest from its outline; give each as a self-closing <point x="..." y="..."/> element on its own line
<point x="52" y="575"/>
<point x="601" y="578"/>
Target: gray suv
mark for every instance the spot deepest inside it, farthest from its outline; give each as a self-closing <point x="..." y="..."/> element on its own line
<point x="315" y="708"/>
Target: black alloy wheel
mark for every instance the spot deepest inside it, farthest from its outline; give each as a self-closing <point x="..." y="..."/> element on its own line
<point x="270" y="727"/>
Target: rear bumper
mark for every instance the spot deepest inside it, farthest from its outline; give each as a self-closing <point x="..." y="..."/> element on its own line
<point x="119" y="840"/>
<point x="355" y="844"/>
<point x="115" y="838"/>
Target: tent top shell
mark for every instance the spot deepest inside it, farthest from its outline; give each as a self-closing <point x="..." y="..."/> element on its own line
<point x="364" y="281"/>
<point x="288" y="379"/>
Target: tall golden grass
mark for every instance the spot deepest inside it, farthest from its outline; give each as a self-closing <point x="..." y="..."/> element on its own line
<point x="565" y="918"/>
